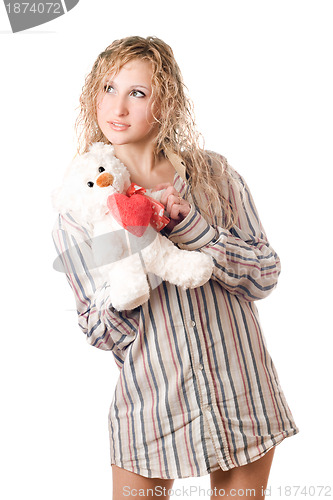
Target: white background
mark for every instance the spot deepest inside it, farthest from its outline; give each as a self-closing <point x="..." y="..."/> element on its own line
<point x="260" y="76"/>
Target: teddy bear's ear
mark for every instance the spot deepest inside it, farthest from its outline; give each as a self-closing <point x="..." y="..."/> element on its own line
<point x="65" y="200"/>
<point x="57" y="199"/>
<point x="61" y="199"/>
<point x="66" y="197"/>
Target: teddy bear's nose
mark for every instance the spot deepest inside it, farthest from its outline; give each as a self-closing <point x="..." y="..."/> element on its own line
<point x="104" y="180"/>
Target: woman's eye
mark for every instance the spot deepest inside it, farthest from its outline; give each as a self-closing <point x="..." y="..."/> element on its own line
<point x="101" y="169"/>
<point x="138" y="93"/>
<point x="108" y="88"/>
<point x="90" y="184"/>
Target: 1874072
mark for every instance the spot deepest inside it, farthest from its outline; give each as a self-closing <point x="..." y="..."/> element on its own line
<point x="34" y="8"/>
<point x="302" y="491"/>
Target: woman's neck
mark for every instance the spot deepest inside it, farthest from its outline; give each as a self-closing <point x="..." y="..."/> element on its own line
<point x="140" y="160"/>
<point x="143" y="167"/>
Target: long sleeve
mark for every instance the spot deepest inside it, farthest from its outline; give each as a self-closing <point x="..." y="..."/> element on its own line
<point x="104" y="327"/>
<point x="245" y="262"/>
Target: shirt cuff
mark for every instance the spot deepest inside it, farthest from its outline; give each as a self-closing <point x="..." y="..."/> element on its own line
<point x="193" y="232"/>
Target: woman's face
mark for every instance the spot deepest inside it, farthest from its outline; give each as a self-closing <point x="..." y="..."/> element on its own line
<point x="124" y="107"/>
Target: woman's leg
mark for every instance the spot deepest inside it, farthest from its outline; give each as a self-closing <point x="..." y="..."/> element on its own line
<point x="127" y="484"/>
<point x="247" y="481"/>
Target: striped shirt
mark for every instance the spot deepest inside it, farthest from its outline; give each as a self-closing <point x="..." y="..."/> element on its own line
<point x="197" y="387"/>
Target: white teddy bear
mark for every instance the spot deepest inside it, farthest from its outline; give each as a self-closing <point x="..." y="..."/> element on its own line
<point x="124" y="253"/>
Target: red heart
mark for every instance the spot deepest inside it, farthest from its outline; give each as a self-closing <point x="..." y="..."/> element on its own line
<point x="133" y="212"/>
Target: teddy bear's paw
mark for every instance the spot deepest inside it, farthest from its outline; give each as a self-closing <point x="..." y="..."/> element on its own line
<point x="202" y="269"/>
<point x="192" y="270"/>
<point x="128" y="304"/>
<point x="128" y="282"/>
<point x="129" y="294"/>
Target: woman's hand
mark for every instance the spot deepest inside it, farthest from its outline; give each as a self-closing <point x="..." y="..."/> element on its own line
<point x="176" y="207"/>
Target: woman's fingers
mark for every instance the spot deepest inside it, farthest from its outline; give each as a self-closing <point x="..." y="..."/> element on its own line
<point x="169" y="191"/>
<point x="179" y="212"/>
<point x="173" y="204"/>
<point x="176" y="207"/>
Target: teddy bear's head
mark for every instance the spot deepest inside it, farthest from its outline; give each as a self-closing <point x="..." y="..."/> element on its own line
<point x="88" y="181"/>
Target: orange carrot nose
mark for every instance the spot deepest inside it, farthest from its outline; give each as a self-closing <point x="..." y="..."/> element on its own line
<point x="105" y="180"/>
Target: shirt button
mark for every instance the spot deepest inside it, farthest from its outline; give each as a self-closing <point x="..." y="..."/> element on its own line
<point x="193" y="323"/>
<point x="200" y="367"/>
<point x="209" y="408"/>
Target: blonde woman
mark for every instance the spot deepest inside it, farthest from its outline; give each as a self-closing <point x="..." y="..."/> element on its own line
<point x="198" y="392"/>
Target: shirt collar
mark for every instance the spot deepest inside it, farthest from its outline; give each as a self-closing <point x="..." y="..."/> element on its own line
<point x="177" y="162"/>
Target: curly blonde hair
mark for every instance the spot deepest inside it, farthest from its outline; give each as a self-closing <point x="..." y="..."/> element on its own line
<point x="206" y="170"/>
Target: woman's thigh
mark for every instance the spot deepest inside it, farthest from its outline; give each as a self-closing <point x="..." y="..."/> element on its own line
<point x="247" y="481"/>
<point x="127" y="484"/>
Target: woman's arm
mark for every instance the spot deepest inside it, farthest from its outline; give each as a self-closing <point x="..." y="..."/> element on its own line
<point x="104" y="327"/>
<point x="245" y="262"/>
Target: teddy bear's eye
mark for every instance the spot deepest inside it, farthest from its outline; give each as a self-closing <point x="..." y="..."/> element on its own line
<point x="90" y="184"/>
<point x="101" y="169"/>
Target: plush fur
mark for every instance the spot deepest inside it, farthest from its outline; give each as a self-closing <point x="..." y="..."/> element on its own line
<point x="124" y="262"/>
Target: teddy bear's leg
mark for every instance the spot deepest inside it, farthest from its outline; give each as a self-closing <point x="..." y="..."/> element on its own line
<point x="187" y="269"/>
<point x="129" y="286"/>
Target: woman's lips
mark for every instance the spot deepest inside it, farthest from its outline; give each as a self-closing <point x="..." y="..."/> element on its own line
<point x="118" y="126"/>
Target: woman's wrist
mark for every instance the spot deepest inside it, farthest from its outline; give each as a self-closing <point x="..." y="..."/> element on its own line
<point x="193" y="232"/>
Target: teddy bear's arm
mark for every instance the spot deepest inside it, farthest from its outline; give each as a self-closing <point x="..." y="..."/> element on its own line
<point x="103" y="326"/>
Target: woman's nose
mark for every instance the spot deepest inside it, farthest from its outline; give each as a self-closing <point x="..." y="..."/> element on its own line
<point x="120" y="106"/>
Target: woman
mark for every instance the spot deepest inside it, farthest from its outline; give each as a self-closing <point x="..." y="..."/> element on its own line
<point x="198" y="392"/>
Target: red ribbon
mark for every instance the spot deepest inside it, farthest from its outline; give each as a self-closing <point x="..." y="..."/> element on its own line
<point x="158" y="220"/>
